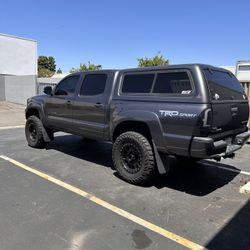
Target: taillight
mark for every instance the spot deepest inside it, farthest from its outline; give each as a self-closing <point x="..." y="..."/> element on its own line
<point x="207" y="118"/>
<point x="204" y="123"/>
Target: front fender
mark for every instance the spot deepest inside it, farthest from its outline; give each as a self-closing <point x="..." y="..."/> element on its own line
<point x="36" y="105"/>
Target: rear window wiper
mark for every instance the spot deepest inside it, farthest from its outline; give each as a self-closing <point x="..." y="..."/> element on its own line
<point x="230" y="74"/>
<point x="209" y="70"/>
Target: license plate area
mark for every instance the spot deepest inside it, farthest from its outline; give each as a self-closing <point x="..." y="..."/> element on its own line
<point x="229" y="140"/>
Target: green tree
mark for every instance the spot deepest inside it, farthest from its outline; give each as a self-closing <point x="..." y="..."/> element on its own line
<point x="46" y="66"/>
<point x="152" y="61"/>
<point x="59" y="71"/>
<point x="42" y="72"/>
<point x="86" y="67"/>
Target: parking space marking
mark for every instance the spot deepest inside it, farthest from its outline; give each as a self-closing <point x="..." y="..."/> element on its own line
<point x="238" y="171"/>
<point x="157" y="229"/>
<point x="12" y="127"/>
<point x="235" y="170"/>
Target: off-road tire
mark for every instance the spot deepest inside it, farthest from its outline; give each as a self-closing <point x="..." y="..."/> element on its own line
<point x="34" y="132"/>
<point x="143" y="148"/>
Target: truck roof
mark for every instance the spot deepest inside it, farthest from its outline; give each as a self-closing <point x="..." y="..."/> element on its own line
<point x="172" y="66"/>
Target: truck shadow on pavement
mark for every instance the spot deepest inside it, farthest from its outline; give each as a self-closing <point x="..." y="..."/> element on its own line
<point x="89" y="150"/>
<point x="199" y="180"/>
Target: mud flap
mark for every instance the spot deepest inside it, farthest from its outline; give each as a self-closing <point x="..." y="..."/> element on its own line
<point x="162" y="161"/>
<point x="47" y="137"/>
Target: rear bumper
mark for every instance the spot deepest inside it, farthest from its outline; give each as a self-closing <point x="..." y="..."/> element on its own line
<point x="206" y="147"/>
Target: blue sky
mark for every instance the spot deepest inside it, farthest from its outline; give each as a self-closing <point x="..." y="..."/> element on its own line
<point x="115" y="33"/>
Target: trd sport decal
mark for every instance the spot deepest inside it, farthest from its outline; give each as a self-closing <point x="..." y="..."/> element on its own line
<point x="175" y="113"/>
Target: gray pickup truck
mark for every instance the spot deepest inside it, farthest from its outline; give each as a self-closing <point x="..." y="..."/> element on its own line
<point x="189" y="112"/>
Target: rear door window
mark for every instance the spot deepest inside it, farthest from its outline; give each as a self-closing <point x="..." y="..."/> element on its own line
<point x="172" y="83"/>
<point x="223" y="86"/>
<point x="93" y="84"/>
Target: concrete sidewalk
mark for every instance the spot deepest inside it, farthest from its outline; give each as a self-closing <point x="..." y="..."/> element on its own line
<point x="11" y="114"/>
<point x="245" y="189"/>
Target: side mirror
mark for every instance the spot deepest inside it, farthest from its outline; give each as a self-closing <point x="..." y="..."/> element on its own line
<point x="60" y="92"/>
<point x="47" y="90"/>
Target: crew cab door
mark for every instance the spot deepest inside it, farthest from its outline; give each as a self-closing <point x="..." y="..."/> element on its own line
<point x="90" y="105"/>
<point x="229" y="103"/>
<point x="57" y="108"/>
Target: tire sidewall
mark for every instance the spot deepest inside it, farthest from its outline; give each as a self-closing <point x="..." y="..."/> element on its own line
<point x="141" y="175"/>
<point x="38" y="142"/>
<point x="120" y="162"/>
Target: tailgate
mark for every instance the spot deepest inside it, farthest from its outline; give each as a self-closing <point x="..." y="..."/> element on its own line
<point x="229" y="103"/>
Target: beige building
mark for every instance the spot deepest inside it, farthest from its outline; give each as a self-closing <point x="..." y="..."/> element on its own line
<point x="242" y="71"/>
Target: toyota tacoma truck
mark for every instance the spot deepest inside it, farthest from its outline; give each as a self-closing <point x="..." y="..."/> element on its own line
<point x="190" y="112"/>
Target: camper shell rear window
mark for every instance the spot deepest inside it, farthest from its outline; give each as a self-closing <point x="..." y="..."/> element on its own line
<point x="223" y="85"/>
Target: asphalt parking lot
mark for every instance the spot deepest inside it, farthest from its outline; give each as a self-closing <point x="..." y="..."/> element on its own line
<point x="68" y="196"/>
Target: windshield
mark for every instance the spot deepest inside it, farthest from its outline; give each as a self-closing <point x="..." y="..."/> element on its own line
<point x="223" y="85"/>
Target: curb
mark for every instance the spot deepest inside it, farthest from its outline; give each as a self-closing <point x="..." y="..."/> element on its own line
<point x="245" y="189"/>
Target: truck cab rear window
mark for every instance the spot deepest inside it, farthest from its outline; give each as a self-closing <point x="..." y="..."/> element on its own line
<point x="223" y="86"/>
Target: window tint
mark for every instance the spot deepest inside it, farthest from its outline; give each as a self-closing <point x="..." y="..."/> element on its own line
<point x="67" y="85"/>
<point x="223" y="86"/>
<point x="244" y="68"/>
<point x="172" y="83"/>
<point x="93" y="84"/>
<point x="137" y="83"/>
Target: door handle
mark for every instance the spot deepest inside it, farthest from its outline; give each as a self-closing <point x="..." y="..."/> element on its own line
<point x="98" y="105"/>
<point x="234" y="109"/>
<point x="68" y="102"/>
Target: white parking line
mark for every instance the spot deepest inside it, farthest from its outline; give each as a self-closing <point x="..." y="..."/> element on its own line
<point x="153" y="227"/>
<point x="12" y="127"/>
<point x="234" y="170"/>
<point x="229" y="169"/>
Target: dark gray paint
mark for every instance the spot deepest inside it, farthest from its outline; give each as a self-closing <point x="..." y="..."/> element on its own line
<point x="98" y="116"/>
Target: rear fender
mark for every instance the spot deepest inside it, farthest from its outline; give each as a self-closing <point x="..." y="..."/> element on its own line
<point x="149" y="118"/>
<point x="152" y="121"/>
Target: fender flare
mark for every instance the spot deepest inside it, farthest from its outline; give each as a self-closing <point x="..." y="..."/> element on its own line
<point x="151" y="119"/>
<point x="37" y="106"/>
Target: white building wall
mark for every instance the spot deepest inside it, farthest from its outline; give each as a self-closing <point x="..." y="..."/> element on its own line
<point x="242" y="75"/>
<point x="18" y="56"/>
<point x="19" y="88"/>
<point x="2" y="88"/>
<point x="230" y="68"/>
<point x="18" y="68"/>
